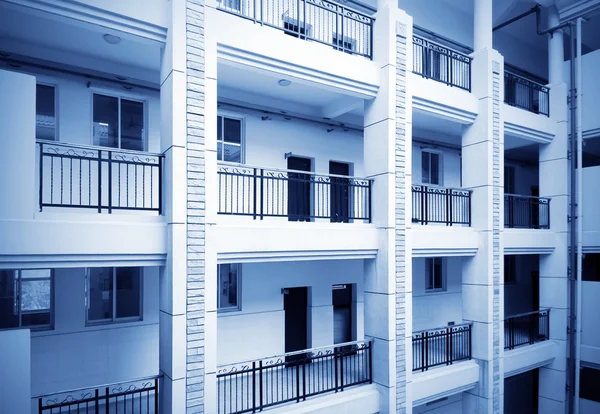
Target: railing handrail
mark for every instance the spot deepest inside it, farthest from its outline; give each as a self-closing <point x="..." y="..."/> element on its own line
<point x="527" y="196"/>
<point x="444" y="327"/>
<point x="542" y="87"/>
<point x="96" y="148"/>
<point x="153" y="377"/>
<point x="441" y="187"/>
<point x="303" y="351"/>
<point x="443" y="39"/>
<point x="522" y="73"/>
<point x="248" y="166"/>
<point x="520" y="315"/>
<point x="440" y="44"/>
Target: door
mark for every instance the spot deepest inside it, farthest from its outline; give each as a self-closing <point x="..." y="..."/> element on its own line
<point x="299" y="186"/>
<point x="339" y="193"/>
<point x="295" y="302"/>
<point x="535" y="208"/>
<point x="342" y="313"/>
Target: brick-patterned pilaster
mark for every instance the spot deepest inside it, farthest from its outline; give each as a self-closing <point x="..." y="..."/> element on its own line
<point x="195" y="310"/>
<point x="400" y="222"/>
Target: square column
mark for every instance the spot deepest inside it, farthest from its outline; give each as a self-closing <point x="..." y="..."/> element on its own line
<point x="554" y="268"/>
<point x="483" y="174"/>
<point x="387" y="134"/>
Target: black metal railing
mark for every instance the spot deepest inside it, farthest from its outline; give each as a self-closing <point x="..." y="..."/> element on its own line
<point x="525" y="93"/>
<point x="441" y="346"/>
<point x="441" y="205"/>
<point x="322" y="21"/>
<point x="293" y="377"/>
<point x="132" y="397"/>
<point x="97" y="178"/>
<point x="526" y="328"/>
<point x="435" y="61"/>
<point x="297" y="195"/>
<point x="526" y="212"/>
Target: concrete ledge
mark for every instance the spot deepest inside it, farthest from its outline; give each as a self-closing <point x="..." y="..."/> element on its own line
<point x="439" y="240"/>
<point x="445" y="381"/>
<point x="360" y="400"/>
<point x="528" y="357"/>
<point x="523" y="124"/>
<point x="528" y="241"/>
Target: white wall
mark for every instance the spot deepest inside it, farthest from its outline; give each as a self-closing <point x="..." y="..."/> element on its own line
<point x="154" y="11"/>
<point x="517" y="296"/>
<point x="450" y="164"/>
<point x="591" y="87"/>
<point x="74" y="355"/>
<point x="526" y="176"/>
<point x="588" y="407"/>
<point x="258" y="329"/>
<point x="15" y="371"/>
<point x="591" y="199"/>
<point x="590" y="335"/>
<point x="448" y="405"/>
<point x="436" y="309"/>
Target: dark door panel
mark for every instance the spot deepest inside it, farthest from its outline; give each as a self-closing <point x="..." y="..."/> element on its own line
<point x="295" y="303"/>
<point x="339" y="192"/>
<point x="299" y="189"/>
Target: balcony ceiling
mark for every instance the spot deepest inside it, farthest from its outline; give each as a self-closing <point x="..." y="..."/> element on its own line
<point x="76" y="43"/>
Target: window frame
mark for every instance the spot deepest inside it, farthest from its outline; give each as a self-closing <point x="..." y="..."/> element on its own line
<point x="440" y="155"/>
<point x="114" y="320"/>
<point x="429" y="273"/>
<point x="17" y="302"/>
<point x="120" y="96"/>
<point x="230" y="309"/>
<point x="237" y="117"/>
<point x="56" y="109"/>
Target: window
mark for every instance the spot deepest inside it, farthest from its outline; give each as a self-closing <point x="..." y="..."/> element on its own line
<point x="590" y="269"/>
<point x="510" y="269"/>
<point x="26" y="299"/>
<point x="434" y="274"/>
<point x="118" y="122"/>
<point x="114" y="294"/>
<point x="45" y="112"/>
<point x="229" y="139"/>
<point x="228" y="297"/>
<point x="590" y="378"/>
<point x="430" y="168"/>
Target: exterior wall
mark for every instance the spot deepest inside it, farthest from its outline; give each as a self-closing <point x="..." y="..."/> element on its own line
<point x="261" y="320"/>
<point x="266" y="142"/>
<point x="435" y="309"/>
<point x="590" y="337"/>
<point x="591" y="86"/>
<point x="591" y="218"/>
<point x="15" y="376"/>
<point x="526" y="176"/>
<point x="73" y="355"/>
<point x="449" y="405"/>
<point x="588" y="407"/>
<point x="451" y="174"/>
<point x="153" y="12"/>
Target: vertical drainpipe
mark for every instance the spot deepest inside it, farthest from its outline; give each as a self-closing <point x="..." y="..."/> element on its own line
<point x="579" y="64"/>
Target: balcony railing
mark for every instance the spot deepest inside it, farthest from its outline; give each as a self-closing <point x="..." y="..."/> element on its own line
<point x="297" y="195"/>
<point x="320" y="21"/>
<point x="441" y="205"/>
<point x="102" y="179"/>
<point x="526" y="328"/>
<point x="526" y="93"/>
<point x="293" y="377"/>
<point x="133" y="397"/>
<point x="526" y="212"/>
<point x="441" y="346"/>
<point x="435" y="61"/>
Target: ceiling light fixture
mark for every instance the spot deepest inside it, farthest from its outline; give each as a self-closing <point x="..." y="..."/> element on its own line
<point x="111" y="39"/>
<point x="284" y="82"/>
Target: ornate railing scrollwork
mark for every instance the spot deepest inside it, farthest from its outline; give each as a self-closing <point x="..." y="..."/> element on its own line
<point x="526" y="94"/>
<point x="526" y="328"/>
<point x="441" y="346"/>
<point x="449" y="206"/>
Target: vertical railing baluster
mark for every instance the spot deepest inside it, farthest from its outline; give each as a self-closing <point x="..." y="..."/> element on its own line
<point x="110" y="182"/>
<point x="253" y="386"/>
<point x="107" y="401"/>
<point x="261" y="193"/>
<point x="99" y="181"/>
<point x="160" y="173"/>
<point x="41" y="178"/>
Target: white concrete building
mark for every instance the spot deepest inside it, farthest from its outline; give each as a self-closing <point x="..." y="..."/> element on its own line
<point x="297" y="206"/>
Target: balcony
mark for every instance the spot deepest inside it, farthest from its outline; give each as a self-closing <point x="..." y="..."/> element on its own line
<point x="526" y="328"/>
<point x="526" y="212"/>
<point x="100" y="179"/>
<point x="434" y="61"/>
<point x="293" y="377"/>
<point x="325" y="22"/>
<point x="447" y="206"/>
<point x="139" y="396"/>
<point x="300" y="196"/>
<point x="525" y="91"/>
<point x="441" y="346"/>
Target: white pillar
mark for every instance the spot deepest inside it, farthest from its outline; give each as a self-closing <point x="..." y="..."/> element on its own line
<point x="555" y="48"/>
<point x="482" y="25"/>
<point x="387" y="134"/>
<point x="483" y="174"/>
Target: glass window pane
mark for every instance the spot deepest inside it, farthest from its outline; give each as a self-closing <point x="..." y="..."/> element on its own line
<point x="9" y="315"/>
<point x="425" y="167"/>
<point x="219" y="129"/>
<point x="100" y="294"/>
<point x="435" y="168"/>
<point x="228" y="283"/>
<point x="35" y="290"/>
<point x="233" y="130"/>
<point x="106" y="118"/>
<point x="128" y="292"/>
<point x="219" y="151"/>
<point x="45" y="112"/>
<point x="132" y="125"/>
<point x="232" y="153"/>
